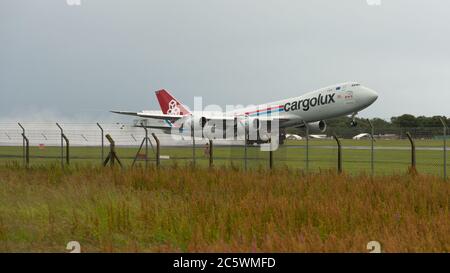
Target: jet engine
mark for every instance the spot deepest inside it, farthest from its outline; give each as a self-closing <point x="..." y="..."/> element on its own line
<point x="318" y="126"/>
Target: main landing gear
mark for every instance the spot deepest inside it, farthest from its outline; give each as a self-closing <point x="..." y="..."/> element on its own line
<point x="354" y="123"/>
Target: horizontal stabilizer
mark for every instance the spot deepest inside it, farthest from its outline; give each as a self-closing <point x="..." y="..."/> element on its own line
<point x="149" y="115"/>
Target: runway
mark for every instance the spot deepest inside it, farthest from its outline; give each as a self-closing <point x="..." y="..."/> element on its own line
<point x="396" y="148"/>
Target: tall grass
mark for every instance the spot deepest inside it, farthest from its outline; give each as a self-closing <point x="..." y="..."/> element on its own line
<point x="177" y="209"/>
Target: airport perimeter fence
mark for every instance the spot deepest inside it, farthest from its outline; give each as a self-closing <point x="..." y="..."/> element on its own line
<point x="356" y="150"/>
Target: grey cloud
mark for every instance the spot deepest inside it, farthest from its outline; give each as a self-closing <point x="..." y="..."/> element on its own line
<point x="112" y="54"/>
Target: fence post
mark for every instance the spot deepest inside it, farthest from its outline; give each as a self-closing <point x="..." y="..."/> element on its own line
<point x="372" y="152"/>
<point x="64" y="138"/>
<point x="157" y="150"/>
<point x="146" y="146"/>
<point x="67" y="149"/>
<point x="23" y="143"/>
<point x="271" y="155"/>
<point x="27" y="150"/>
<point x="112" y="156"/>
<point x="339" y="153"/>
<point x="246" y="129"/>
<point x="307" y="146"/>
<point x="211" y="153"/>
<point x="413" y="153"/>
<point x="112" y="149"/>
<point x="193" y="140"/>
<point x="146" y="140"/>
<point x="444" y="124"/>
<point x="103" y="141"/>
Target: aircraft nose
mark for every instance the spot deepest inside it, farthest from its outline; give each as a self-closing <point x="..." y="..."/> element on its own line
<point x="370" y="94"/>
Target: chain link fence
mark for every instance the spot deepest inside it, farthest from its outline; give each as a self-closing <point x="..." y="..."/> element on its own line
<point x="373" y="151"/>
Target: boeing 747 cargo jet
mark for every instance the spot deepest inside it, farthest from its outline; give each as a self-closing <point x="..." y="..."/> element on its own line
<point x="310" y="109"/>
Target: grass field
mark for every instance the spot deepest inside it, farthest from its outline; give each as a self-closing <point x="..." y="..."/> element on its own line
<point x="219" y="210"/>
<point x="391" y="156"/>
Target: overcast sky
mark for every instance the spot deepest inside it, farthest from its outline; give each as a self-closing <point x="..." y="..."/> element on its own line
<point x="81" y="61"/>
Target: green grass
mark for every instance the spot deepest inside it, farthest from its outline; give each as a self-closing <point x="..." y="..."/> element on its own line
<point x="378" y="142"/>
<point x="386" y="161"/>
<point x="183" y="209"/>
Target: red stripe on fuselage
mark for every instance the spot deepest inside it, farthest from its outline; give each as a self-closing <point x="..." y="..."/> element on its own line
<point x="264" y="110"/>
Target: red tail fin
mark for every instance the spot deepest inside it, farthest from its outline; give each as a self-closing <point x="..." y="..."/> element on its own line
<point x="169" y="104"/>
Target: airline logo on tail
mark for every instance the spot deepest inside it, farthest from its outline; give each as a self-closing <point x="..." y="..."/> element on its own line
<point x="170" y="105"/>
<point x="173" y="108"/>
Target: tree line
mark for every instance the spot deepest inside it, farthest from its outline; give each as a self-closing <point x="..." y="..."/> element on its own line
<point x="399" y="122"/>
<point x="420" y="126"/>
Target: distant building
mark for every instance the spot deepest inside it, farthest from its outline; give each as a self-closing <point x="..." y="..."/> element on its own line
<point x="318" y="136"/>
<point x="388" y="136"/>
<point x="361" y="136"/>
<point x="293" y="137"/>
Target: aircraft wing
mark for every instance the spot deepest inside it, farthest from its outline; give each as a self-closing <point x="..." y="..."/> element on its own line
<point x="241" y="119"/>
<point x="149" y="115"/>
<point x="171" y="120"/>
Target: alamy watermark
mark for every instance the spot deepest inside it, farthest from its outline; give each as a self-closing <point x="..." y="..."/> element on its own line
<point x="74" y="247"/>
<point x="374" y="247"/>
<point x="256" y="124"/>
<point x="73" y="2"/>
<point x="373" y="2"/>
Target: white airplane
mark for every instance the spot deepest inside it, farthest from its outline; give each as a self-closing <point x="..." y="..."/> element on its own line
<point x="310" y="109"/>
